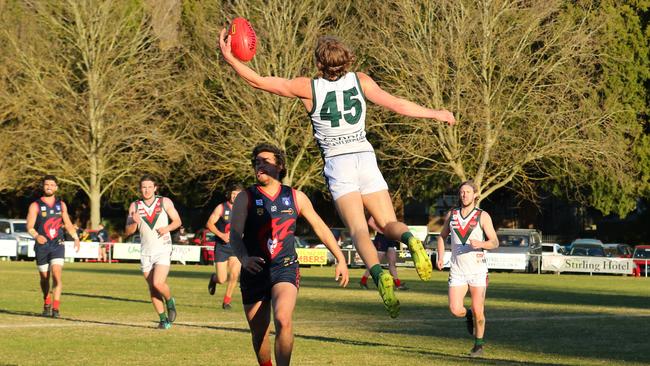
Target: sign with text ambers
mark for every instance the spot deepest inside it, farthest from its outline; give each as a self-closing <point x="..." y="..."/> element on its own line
<point x="312" y="256"/>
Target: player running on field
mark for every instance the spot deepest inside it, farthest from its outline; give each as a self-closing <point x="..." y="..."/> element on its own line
<point x="226" y="264"/>
<point x="336" y="104"/>
<point x="262" y="234"/>
<point x="46" y="218"/>
<point x="155" y="217"/>
<point x="469" y="227"/>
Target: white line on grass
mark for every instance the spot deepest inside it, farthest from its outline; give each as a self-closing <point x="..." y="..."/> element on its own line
<point x="242" y="324"/>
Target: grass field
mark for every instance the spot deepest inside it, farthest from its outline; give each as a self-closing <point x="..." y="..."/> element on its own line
<point x="531" y="320"/>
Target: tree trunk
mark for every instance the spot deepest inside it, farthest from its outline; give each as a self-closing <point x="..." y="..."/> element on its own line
<point x="95" y="205"/>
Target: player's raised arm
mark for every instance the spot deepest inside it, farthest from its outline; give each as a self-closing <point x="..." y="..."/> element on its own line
<point x="377" y="95"/>
<point x="325" y="235"/>
<point x="293" y="88"/>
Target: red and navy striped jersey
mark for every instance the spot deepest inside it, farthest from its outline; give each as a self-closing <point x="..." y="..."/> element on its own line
<point x="49" y="221"/>
<point x="223" y="224"/>
<point x="270" y="225"/>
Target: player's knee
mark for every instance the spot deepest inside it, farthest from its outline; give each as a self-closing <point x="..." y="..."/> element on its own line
<point x="457" y="310"/>
<point x="283" y="322"/>
<point x="159" y="285"/>
<point x="479" y="315"/>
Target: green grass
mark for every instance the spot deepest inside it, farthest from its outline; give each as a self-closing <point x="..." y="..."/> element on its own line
<point x="531" y="320"/>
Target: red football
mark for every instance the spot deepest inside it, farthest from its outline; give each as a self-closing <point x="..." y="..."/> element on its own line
<point x="243" y="39"/>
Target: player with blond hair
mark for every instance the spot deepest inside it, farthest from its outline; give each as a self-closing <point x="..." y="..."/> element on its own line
<point x="336" y="103"/>
<point x="472" y="233"/>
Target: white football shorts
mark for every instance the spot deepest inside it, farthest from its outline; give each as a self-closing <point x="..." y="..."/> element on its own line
<point x="355" y="172"/>
<point x="147" y="262"/>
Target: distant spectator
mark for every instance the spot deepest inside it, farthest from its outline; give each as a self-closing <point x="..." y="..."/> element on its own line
<point x="102" y="234"/>
<point x="180" y="237"/>
<point x="102" y="238"/>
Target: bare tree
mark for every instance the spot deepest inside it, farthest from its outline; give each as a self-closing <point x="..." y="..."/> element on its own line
<point x="231" y="117"/>
<point x="520" y="77"/>
<point x="165" y="20"/>
<point x="98" y="99"/>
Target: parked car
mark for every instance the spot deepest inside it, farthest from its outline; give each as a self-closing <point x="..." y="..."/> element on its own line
<point x="641" y="257"/>
<point x="17" y="228"/>
<point x="343" y="237"/>
<point x="587" y="249"/>
<point x="206" y="239"/>
<point x="527" y="241"/>
<point x="583" y="241"/>
<point x="552" y="249"/>
<point x="618" y="250"/>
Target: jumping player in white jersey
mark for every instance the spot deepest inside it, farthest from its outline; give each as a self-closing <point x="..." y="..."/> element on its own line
<point x="336" y="103"/>
<point x="472" y="233"/>
<point x="151" y="215"/>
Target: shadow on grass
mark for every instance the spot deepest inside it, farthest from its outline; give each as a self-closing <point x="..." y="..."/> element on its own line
<point x="391" y="346"/>
<point x="417" y="350"/>
<point x="104" y="297"/>
<point x="123" y="299"/>
<point x="587" y="334"/>
<point x="86" y="321"/>
<point x="135" y="271"/>
<point x="511" y="292"/>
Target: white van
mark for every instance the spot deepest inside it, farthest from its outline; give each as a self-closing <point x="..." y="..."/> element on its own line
<point x="17" y="228"/>
<point x="552" y="249"/>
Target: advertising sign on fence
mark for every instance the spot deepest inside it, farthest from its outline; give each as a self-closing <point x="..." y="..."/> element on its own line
<point x="126" y="251"/>
<point x="181" y="253"/>
<point x="88" y="250"/>
<point x="312" y="256"/>
<point x="513" y="261"/>
<point x="562" y="263"/>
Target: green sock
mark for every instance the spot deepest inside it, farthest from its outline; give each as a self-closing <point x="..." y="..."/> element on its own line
<point x="375" y="272"/>
<point x="479" y="341"/>
<point x="405" y="237"/>
<point x="163" y="317"/>
<point x="171" y="303"/>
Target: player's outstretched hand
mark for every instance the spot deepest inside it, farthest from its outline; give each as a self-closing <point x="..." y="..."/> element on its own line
<point x="225" y="44"/>
<point x="252" y="264"/>
<point x="446" y="116"/>
<point x="341" y="274"/>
